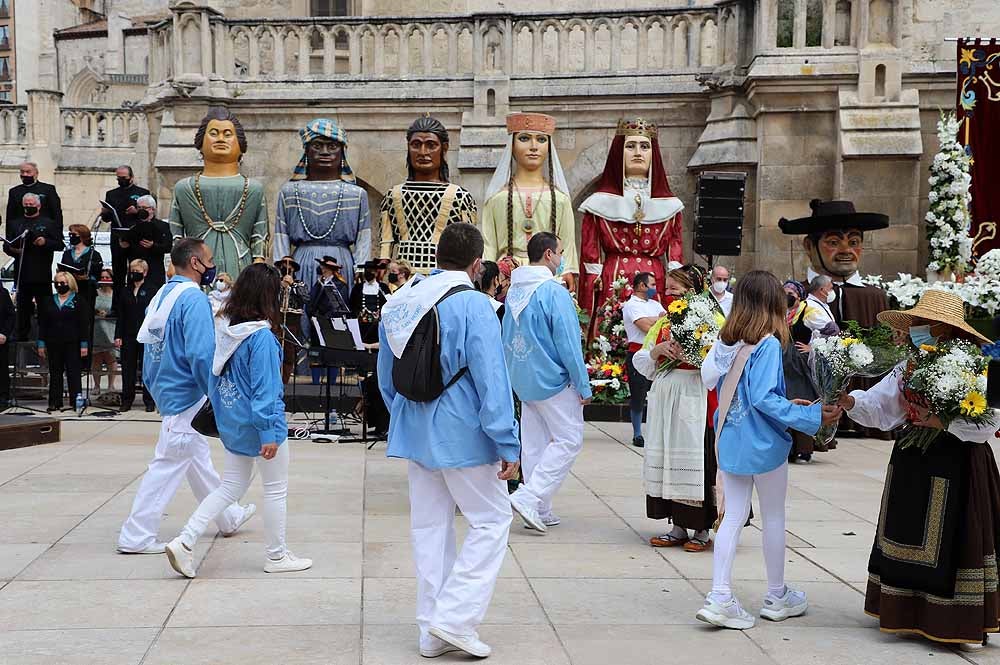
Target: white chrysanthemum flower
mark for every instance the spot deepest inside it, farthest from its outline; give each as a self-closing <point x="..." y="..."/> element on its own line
<point x="861" y="356"/>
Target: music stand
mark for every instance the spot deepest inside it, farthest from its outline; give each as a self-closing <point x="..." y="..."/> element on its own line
<point x="12" y="407"/>
<point x="342" y="335"/>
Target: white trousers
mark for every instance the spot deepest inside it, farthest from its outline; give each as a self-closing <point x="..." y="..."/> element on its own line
<point x="235" y="482"/>
<point x="551" y="439"/>
<point x="771" y="490"/>
<point x="180" y="453"/>
<point x="454" y="588"/>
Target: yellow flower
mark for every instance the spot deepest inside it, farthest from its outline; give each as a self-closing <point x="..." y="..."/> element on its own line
<point x="928" y="348"/>
<point x="700" y="331"/>
<point x="616" y="370"/>
<point x="849" y="341"/>
<point x="677" y="306"/>
<point x="704" y="351"/>
<point x="973" y="405"/>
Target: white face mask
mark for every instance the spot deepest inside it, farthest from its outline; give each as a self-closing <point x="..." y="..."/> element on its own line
<point x="221" y="286"/>
<point x="830" y="297"/>
<point x="719" y="287"/>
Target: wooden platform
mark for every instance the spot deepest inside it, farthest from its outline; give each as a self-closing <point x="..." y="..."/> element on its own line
<point x="24" y="431"/>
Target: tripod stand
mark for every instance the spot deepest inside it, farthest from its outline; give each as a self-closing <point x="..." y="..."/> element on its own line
<point x="14" y="407"/>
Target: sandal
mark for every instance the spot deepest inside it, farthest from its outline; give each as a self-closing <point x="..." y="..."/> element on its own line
<point x="697" y="545"/>
<point x="667" y="540"/>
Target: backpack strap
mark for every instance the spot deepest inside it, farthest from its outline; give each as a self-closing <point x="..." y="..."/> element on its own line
<point x="452" y="291"/>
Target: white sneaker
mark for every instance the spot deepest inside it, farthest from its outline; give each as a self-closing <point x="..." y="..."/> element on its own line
<point x="248" y="511"/>
<point x="470" y="644"/>
<point x="527" y="512"/>
<point x="432" y="647"/>
<point x="181" y="558"/>
<point x="725" y="615"/>
<point x="550" y="519"/>
<point x="287" y="564"/>
<point x="792" y="604"/>
<point x="155" y="548"/>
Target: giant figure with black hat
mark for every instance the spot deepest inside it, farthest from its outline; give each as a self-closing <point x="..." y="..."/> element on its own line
<point x="834" y="239"/>
<point x="415" y="212"/>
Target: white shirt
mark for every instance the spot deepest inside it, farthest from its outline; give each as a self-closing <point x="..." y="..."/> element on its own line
<point x="636" y="308"/>
<point x="853" y="280"/>
<point x="370" y="288"/>
<point x="725" y="302"/>
<point x="818" y="314"/>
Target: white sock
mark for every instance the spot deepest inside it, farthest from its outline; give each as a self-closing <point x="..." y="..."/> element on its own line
<point x="721" y="597"/>
<point x="678" y="532"/>
<point x="778" y="593"/>
<point x="701" y="535"/>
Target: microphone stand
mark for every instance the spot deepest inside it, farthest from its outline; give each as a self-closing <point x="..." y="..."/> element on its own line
<point x="14" y="405"/>
<point x="103" y="413"/>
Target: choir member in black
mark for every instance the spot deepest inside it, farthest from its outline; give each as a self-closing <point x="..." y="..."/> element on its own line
<point x="367" y="300"/>
<point x="328" y="297"/>
<point x="33" y="272"/>
<point x="83" y="262"/>
<point x="494" y="284"/>
<point x="63" y="335"/>
<point x="149" y="240"/>
<point x="294" y="295"/>
<point x="124" y="199"/>
<point x="132" y="303"/>
<point x="7" y="316"/>
<point x="47" y="195"/>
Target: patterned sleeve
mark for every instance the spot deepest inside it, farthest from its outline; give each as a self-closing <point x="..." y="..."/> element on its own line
<point x="465" y="209"/>
<point x="363" y="241"/>
<point x="282" y="246"/>
<point x="259" y="236"/>
<point x="386" y="222"/>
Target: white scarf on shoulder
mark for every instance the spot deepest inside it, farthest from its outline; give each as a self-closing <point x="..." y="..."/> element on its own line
<point x="403" y="310"/>
<point x="151" y="331"/>
<point x="524" y="281"/>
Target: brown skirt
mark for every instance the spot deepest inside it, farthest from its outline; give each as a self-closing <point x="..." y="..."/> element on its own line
<point x="933" y="571"/>
<point x="698" y="518"/>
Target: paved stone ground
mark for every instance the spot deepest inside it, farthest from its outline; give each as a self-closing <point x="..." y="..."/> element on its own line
<point x="591" y="592"/>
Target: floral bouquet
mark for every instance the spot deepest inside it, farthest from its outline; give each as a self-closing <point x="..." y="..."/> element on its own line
<point x="856" y="352"/>
<point x="694" y="323"/>
<point x="610" y="341"/>
<point x="948" y="381"/>
<point x="608" y="380"/>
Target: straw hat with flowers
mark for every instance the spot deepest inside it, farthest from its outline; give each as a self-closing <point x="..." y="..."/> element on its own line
<point x="937" y="306"/>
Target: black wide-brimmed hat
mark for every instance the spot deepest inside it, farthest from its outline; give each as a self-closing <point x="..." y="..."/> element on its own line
<point x="370" y="264"/>
<point x="329" y="262"/>
<point x="288" y="261"/>
<point x="833" y="216"/>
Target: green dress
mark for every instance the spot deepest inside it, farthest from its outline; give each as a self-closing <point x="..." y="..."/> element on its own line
<point x="236" y="239"/>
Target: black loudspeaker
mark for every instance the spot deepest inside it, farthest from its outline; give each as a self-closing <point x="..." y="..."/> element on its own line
<point x="719" y="230"/>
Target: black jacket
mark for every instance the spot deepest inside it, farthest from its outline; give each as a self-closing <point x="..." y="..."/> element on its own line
<point x="132" y="310"/>
<point x="121" y="199"/>
<point x="66" y="324"/>
<point x="325" y="303"/>
<point x="159" y="232"/>
<point x="37" y="260"/>
<point x="7" y="314"/>
<point x="51" y="205"/>
<point x="90" y="263"/>
<point x="368" y="325"/>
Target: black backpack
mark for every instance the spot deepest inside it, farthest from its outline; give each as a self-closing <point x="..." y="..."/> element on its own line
<point x="417" y="374"/>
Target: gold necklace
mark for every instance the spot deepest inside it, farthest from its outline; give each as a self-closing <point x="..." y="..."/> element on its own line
<point x="221" y="227"/>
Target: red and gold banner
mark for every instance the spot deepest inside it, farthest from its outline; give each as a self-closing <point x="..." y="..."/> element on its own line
<point x="979" y="114"/>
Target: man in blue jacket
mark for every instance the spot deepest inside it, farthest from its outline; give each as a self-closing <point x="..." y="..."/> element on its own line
<point x="541" y="338"/>
<point x="179" y="335"/>
<point x="462" y="446"/>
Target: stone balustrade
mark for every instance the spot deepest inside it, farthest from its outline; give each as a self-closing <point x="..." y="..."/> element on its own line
<point x="201" y="42"/>
<point x="13" y="125"/>
<point x="101" y="128"/>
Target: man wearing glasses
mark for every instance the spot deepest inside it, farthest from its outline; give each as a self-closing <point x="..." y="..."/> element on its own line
<point x="150" y="241"/>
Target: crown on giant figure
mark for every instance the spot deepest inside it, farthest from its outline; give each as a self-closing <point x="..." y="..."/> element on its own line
<point x="531" y="122"/>
<point x="636" y="127"/>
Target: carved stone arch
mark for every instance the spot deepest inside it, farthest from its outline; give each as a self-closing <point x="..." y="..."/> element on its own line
<point x="85" y="85"/>
<point x="390" y="27"/>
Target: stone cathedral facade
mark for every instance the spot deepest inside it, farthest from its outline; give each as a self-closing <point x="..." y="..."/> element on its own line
<point x="810" y="98"/>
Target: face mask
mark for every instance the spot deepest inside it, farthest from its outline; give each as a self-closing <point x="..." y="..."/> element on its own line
<point x="136" y="276"/>
<point x="27" y="180"/>
<point x="719" y="287"/>
<point x="394" y="278"/>
<point x="124" y="182"/>
<point x="651" y="292"/>
<point x="830" y="297"/>
<point x="221" y="286"/>
<point x="144" y="215"/>
<point x="369" y="275"/>
<point x="30" y="211"/>
<point x="792" y="300"/>
<point x="286" y="271"/>
<point x="921" y="335"/>
<point x="208" y="276"/>
<point x="562" y="266"/>
<point x="74" y="239"/>
<point x="62" y="289"/>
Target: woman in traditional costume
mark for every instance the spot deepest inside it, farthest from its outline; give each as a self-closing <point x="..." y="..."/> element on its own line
<point x="798" y="376"/>
<point x="632" y="221"/>
<point x="679" y="465"/>
<point x="522" y="201"/>
<point x="933" y="567"/>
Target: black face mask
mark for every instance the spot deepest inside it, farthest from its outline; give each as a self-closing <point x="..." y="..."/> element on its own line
<point x="791" y="300"/>
<point x="136" y="276"/>
<point x="30" y="211"/>
<point x="27" y="180"/>
<point x="144" y="215"/>
<point x="124" y="182"/>
<point x="74" y="239"/>
<point x="394" y="278"/>
<point x="369" y="275"/>
<point x="62" y="289"/>
<point x="287" y="271"/>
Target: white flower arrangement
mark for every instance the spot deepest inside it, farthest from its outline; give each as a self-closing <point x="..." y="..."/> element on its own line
<point x="695" y="323"/>
<point x="988" y="265"/>
<point x="948" y="218"/>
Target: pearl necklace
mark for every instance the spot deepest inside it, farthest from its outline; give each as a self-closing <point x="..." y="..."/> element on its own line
<point x="336" y="213"/>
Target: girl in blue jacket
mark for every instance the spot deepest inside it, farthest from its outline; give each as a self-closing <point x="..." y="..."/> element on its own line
<point x="753" y="446"/>
<point x="247" y="397"/>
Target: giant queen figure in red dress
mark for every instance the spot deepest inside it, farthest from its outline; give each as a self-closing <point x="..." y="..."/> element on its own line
<point x="632" y="221"/>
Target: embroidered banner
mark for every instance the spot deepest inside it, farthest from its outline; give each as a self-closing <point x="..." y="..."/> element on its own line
<point x="979" y="114"/>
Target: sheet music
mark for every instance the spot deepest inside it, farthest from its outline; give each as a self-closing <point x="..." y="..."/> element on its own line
<point x="114" y="212"/>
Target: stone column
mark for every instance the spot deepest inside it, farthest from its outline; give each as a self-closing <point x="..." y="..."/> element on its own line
<point x="114" y="60"/>
<point x="44" y="131"/>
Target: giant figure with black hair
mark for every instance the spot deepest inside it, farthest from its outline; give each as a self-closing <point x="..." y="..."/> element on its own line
<point x="220" y="205"/>
<point x="415" y="212"/>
